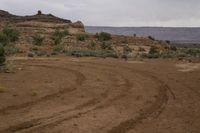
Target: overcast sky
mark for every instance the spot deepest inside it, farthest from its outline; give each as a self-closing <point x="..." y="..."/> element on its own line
<point x="114" y="12"/>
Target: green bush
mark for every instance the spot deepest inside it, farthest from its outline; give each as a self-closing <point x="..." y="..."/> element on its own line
<point x="10" y="49"/>
<point x="184" y="52"/>
<point x="126" y="51"/>
<point x="168" y="54"/>
<point x="12" y="34"/>
<point x="3" y="39"/>
<point x="173" y="48"/>
<point x="153" y="53"/>
<point x="106" y="46"/>
<point x="35" y="51"/>
<point x="181" y="55"/>
<point x="153" y="50"/>
<point x="92" y="45"/>
<point x="8" y="35"/>
<point x="145" y="55"/>
<point x="81" y="52"/>
<point x="81" y="37"/>
<point x="103" y="36"/>
<point x="37" y="39"/>
<point x="2" y="55"/>
<point x="58" y="35"/>
<point x="58" y="48"/>
<point x="192" y="52"/>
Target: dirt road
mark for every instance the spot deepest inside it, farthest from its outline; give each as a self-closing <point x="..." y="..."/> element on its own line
<point x="92" y="95"/>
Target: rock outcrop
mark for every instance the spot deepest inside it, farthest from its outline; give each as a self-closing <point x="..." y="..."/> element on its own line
<point x="40" y="21"/>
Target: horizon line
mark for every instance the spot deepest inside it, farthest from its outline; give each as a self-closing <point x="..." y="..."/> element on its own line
<point x="143" y="26"/>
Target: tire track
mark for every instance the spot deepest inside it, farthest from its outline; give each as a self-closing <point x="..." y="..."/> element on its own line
<point x="38" y="122"/>
<point x="80" y="78"/>
<point x="156" y="108"/>
<point x="153" y="111"/>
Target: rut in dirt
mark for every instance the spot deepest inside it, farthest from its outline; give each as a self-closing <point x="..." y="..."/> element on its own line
<point x="156" y="108"/>
<point x="38" y="122"/>
<point x="80" y="78"/>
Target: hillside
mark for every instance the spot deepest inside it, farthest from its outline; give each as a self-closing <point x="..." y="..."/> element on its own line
<point x="81" y="43"/>
<point x="47" y="35"/>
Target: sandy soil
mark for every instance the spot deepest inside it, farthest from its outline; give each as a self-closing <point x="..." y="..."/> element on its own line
<point x="93" y="95"/>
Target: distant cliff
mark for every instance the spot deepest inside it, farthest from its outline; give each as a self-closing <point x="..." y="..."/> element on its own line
<point x="180" y="35"/>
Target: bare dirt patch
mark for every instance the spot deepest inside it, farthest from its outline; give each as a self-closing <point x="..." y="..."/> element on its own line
<point x="81" y="95"/>
<point x="187" y="67"/>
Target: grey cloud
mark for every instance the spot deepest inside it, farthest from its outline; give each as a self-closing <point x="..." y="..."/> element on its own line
<point x="114" y="12"/>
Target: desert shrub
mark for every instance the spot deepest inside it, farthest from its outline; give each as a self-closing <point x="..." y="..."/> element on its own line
<point x="41" y="53"/>
<point x="10" y="49"/>
<point x="92" y="45"/>
<point x="124" y="41"/>
<point x="58" y="48"/>
<point x="151" y="38"/>
<point x="167" y="41"/>
<point x="35" y="51"/>
<point x="37" y="39"/>
<point x="12" y="34"/>
<point x="81" y="52"/>
<point x="156" y="55"/>
<point x="81" y="37"/>
<point x="56" y="40"/>
<point x="192" y="52"/>
<point x="8" y="35"/>
<point x="173" y="48"/>
<point x="126" y="51"/>
<point x="97" y="35"/>
<point x="107" y="46"/>
<point x="168" y="54"/>
<point x="3" y="39"/>
<point x="2" y="55"/>
<point x="58" y="35"/>
<point x="146" y="55"/>
<point x="153" y="50"/>
<point x="153" y="53"/>
<point x="65" y="32"/>
<point x="141" y="49"/>
<point x="103" y="36"/>
<point x="181" y="55"/>
<point x="30" y="54"/>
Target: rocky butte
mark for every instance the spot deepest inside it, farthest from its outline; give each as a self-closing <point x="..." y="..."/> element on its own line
<point x="39" y="23"/>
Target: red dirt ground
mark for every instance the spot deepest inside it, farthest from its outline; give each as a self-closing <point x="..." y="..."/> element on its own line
<point x="93" y="95"/>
